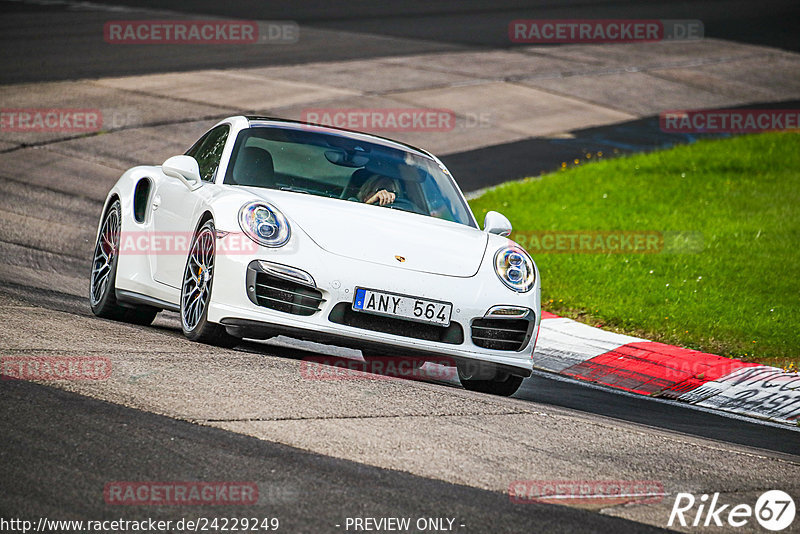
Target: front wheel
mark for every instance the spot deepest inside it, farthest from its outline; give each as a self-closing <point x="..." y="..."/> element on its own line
<point x="198" y="279"/>
<point x="103" y="279"/>
<point x="502" y="384"/>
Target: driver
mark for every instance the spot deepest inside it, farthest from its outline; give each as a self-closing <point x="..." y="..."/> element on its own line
<point x="379" y="190"/>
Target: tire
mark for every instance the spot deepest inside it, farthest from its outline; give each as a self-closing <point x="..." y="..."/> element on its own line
<point x="103" y="277"/>
<point x="198" y="280"/>
<point x="503" y="384"/>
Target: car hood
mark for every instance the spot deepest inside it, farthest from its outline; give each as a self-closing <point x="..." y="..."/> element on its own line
<point x="383" y="235"/>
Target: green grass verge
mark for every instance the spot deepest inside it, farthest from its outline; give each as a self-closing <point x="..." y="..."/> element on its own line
<point x="733" y="289"/>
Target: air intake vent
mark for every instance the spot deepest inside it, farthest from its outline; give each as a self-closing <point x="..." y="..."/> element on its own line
<point x="501" y="334"/>
<point x="282" y="295"/>
<point x="343" y="313"/>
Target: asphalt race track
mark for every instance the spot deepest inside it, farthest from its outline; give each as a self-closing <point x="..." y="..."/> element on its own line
<point x="321" y="451"/>
<point x="362" y="29"/>
<point x="59" y="462"/>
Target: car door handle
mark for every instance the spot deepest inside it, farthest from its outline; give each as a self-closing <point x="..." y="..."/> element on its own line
<point x="156" y="202"/>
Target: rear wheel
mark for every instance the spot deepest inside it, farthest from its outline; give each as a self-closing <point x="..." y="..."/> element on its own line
<point x="102" y="283"/>
<point x="502" y="384"/>
<point x="198" y="279"/>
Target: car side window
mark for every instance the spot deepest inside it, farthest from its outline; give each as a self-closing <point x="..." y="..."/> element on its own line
<point x="208" y="151"/>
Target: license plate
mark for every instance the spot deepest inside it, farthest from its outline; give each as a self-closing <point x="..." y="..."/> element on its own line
<point x="403" y="306"/>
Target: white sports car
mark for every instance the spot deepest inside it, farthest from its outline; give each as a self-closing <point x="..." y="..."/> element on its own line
<point x="271" y="227"/>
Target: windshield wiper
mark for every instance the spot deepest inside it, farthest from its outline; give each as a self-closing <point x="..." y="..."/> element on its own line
<point x="306" y="192"/>
<point x="294" y="190"/>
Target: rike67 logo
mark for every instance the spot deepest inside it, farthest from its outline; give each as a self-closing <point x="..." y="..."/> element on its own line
<point x="774" y="510"/>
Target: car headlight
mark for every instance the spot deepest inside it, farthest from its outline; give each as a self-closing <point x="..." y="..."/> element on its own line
<point x="515" y="268"/>
<point x="265" y="224"/>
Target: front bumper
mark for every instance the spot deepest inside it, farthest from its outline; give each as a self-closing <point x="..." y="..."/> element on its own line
<point x="336" y="277"/>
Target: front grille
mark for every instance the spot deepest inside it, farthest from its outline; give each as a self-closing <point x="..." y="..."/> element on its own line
<point x="282" y="295"/>
<point x="501" y="334"/>
<point x="343" y="313"/>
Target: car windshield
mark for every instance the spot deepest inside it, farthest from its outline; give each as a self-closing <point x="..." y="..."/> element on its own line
<point x="346" y="168"/>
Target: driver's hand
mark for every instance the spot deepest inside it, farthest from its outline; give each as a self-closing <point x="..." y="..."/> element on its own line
<point x="382" y="197"/>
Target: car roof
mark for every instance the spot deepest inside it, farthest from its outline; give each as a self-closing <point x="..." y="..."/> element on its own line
<point x="261" y="121"/>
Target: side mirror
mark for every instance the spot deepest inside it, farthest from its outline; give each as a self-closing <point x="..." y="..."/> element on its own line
<point x="184" y="168"/>
<point x="496" y="223"/>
